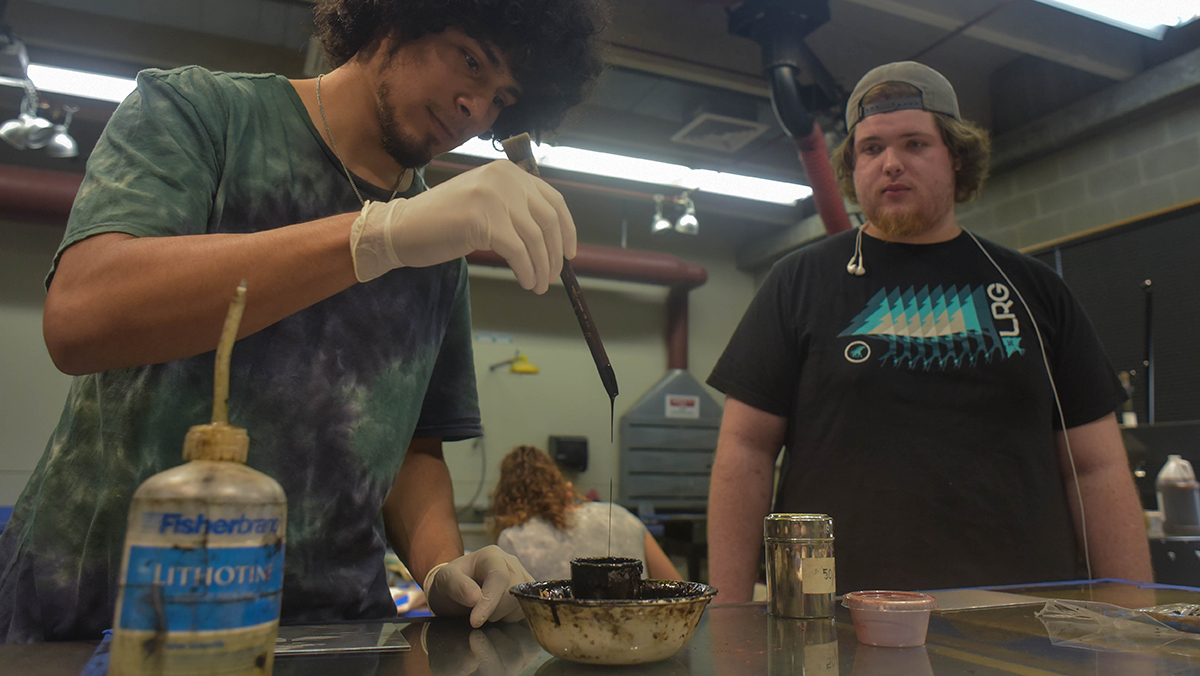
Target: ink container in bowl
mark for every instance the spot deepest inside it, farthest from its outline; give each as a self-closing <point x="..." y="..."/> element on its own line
<point x="611" y="577"/>
<point x="890" y="619"/>
<point x="800" y="565"/>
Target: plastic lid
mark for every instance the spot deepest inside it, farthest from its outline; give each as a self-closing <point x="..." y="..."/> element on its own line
<point x="791" y="526"/>
<point x="216" y="441"/>
<point x="888" y="600"/>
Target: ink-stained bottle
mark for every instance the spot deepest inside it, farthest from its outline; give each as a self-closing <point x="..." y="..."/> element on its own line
<point x="202" y="574"/>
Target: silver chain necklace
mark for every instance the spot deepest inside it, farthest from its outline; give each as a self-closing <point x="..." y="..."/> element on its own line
<point x="333" y="144"/>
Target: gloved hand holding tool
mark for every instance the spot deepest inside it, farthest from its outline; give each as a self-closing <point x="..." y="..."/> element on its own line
<point x="495" y="207"/>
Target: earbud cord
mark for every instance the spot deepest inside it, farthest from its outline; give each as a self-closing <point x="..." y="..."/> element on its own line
<point x="858" y="246"/>
<point x="855" y="266"/>
<point x="1087" y="558"/>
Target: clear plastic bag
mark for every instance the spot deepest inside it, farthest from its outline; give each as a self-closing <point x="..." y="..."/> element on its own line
<point x="1104" y="627"/>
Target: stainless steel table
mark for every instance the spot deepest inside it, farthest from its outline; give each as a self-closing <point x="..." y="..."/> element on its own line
<point x="742" y="640"/>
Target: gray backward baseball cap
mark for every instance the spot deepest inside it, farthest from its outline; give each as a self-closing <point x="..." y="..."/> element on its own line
<point x="937" y="95"/>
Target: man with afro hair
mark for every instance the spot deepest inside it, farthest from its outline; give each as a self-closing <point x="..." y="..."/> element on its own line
<point x="354" y="361"/>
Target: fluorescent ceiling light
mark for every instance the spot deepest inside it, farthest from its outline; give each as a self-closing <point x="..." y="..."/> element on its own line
<point x="109" y="88"/>
<point x="649" y="171"/>
<point x="1151" y="18"/>
<point x="80" y="83"/>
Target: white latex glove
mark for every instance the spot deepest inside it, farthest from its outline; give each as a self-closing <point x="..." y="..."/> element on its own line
<point x="497" y="207"/>
<point x="477" y="584"/>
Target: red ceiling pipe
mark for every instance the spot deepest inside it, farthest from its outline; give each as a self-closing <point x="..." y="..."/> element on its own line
<point x="780" y="26"/>
<point x="41" y="196"/>
<point x="677" y="328"/>
<point x="37" y="195"/>
<point x="826" y="194"/>
<point x="629" y="265"/>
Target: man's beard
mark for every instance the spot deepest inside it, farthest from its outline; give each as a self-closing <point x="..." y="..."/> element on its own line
<point x="408" y="152"/>
<point x="908" y="223"/>
<point x="912" y="222"/>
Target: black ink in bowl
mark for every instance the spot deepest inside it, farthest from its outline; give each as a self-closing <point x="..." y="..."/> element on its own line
<point x="611" y="577"/>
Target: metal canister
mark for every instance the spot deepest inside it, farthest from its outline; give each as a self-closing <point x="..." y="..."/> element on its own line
<point x="800" y="565"/>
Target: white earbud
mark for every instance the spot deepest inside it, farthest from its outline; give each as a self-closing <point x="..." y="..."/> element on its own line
<point x="855" y="266"/>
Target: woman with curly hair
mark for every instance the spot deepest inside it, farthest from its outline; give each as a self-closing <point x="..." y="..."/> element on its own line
<point x="539" y="517"/>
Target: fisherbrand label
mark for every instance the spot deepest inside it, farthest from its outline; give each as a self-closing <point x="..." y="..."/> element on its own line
<point x="198" y="589"/>
<point x="178" y="523"/>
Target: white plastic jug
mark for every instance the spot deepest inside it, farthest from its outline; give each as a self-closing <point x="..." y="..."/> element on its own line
<point x="1179" y="497"/>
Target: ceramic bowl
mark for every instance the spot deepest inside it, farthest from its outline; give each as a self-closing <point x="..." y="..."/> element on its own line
<point x="619" y="631"/>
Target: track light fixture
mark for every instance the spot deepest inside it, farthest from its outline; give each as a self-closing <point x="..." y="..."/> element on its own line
<point x="30" y="130"/>
<point x="14" y="58"/>
<point x="61" y="144"/>
<point x="660" y="222"/>
<point x="687" y="223"/>
<point x="681" y="209"/>
<point x="27" y="130"/>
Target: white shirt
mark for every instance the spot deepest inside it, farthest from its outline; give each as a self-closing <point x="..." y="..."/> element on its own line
<point x="546" y="551"/>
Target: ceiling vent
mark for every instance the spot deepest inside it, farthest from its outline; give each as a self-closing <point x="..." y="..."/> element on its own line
<point x="720" y="132"/>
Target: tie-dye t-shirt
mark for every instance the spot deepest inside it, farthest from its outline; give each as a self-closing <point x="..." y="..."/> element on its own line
<point x="331" y="396"/>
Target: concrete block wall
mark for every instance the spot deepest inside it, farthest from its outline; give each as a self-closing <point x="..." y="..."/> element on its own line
<point x="1132" y="170"/>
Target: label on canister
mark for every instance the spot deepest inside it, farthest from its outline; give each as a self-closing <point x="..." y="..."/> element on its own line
<point x="818" y="575"/>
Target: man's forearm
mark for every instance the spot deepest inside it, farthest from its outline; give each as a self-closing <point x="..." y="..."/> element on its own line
<point x="1116" y="531"/>
<point x="419" y="512"/>
<point x="119" y="301"/>
<point x="739" y="499"/>
<point x="1115" y="525"/>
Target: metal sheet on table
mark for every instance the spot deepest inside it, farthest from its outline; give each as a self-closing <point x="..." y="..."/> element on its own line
<point x="324" y="639"/>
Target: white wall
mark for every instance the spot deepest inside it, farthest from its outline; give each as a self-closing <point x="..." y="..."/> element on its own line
<point x="32" y="390"/>
<point x="567" y="397"/>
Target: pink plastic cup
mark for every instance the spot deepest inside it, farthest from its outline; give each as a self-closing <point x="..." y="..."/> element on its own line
<point x="890" y="619"/>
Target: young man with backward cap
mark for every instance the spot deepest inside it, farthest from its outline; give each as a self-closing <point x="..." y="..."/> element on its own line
<point x="354" y="361"/>
<point x="903" y="369"/>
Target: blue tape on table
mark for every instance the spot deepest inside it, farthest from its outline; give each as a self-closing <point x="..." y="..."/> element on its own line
<point x="98" y="665"/>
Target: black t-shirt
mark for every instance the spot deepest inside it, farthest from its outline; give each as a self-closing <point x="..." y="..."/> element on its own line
<point x="920" y="414"/>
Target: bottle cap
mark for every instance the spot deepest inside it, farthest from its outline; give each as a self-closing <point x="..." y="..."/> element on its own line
<point x="216" y="441"/>
<point x="889" y="600"/>
<point x="1176" y="469"/>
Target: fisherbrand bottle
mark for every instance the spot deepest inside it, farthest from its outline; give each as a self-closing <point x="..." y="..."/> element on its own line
<point x="202" y="575"/>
